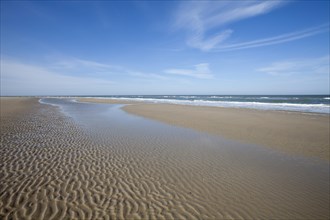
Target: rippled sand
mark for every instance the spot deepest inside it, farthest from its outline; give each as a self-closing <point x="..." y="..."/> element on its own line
<point x="57" y="166"/>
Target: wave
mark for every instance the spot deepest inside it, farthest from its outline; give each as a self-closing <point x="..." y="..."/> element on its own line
<point x="313" y="108"/>
<point x="188" y="97"/>
<point x="279" y="98"/>
<point x="221" y="97"/>
<point x="232" y="97"/>
<point x="42" y="101"/>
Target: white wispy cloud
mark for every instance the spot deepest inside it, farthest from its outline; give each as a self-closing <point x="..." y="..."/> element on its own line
<point x="201" y="71"/>
<point x="199" y="18"/>
<point x="67" y="76"/>
<point x="72" y="65"/>
<point x="318" y="65"/>
<point x="18" y="78"/>
<point x="148" y="75"/>
<point x="204" y="22"/>
<point x="277" y="39"/>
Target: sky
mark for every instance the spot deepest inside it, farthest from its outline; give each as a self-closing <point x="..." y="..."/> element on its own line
<point x="164" y="47"/>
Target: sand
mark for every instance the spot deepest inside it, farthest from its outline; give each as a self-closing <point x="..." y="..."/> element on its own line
<point x="291" y="132"/>
<point x="10" y="106"/>
<point x="53" y="166"/>
<point x="294" y="133"/>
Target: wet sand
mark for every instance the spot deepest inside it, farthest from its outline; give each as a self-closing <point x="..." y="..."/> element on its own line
<point x="291" y="132"/>
<point x="90" y="161"/>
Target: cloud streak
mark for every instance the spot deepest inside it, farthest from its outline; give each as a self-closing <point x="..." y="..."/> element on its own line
<point x="277" y="39"/>
<point x="199" y="18"/>
<point x="92" y="68"/>
<point x="201" y="71"/>
<point x="24" y="79"/>
<point x="70" y="76"/>
<point x="318" y="65"/>
<point x="202" y="21"/>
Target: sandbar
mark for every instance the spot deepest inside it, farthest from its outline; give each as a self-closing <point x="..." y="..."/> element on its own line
<point x="295" y="133"/>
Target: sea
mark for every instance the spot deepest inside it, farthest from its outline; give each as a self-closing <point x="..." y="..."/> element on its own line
<point x="300" y="103"/>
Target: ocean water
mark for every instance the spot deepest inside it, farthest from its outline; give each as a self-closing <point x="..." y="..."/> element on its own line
<point x="301" y="103"/>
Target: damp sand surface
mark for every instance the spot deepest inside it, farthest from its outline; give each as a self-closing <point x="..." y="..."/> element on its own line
<point x="89" y="161"/>
<point x="295" y="133"/>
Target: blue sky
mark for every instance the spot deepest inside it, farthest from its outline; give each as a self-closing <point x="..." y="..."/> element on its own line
<point x="164" y="47"/>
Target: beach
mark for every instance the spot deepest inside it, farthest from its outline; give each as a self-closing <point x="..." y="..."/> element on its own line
<point x="291" y="132"/>
<point x="64" y="159"/>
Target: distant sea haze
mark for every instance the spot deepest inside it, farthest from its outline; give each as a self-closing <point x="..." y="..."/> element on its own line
<point x="300" y="103"/>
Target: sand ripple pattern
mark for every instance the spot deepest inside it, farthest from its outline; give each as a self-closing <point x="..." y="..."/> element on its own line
<point x="52" y="169"/>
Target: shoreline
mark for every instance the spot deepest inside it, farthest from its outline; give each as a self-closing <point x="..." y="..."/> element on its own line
<point x="71" y="165"/>
<point x="295" y="133"/>
<point x="317" y="105"/>
<point x="123" y="101"/>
